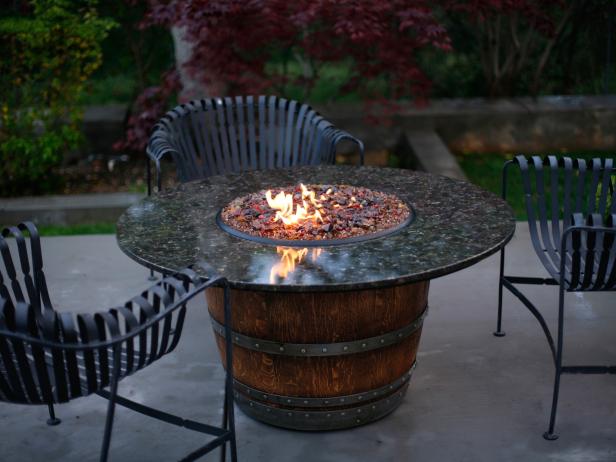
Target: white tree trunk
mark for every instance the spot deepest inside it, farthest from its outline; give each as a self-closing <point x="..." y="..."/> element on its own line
<point x="191" y="88"/>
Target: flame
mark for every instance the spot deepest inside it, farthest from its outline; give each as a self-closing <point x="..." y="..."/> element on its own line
<point x="290" y="257"/>
<point x="283" y="204"/>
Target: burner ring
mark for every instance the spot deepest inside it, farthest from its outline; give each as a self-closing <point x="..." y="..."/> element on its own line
<point x="316" y="242"/>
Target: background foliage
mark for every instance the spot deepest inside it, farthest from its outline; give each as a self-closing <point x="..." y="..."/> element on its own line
<point x="384" y="52"/>
<point x="49" y="48"/>
<point x="56" y="55"/>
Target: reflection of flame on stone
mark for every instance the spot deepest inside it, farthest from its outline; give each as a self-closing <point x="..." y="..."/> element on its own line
<point x="290" y="257"/>
<point x="283" y="204"/>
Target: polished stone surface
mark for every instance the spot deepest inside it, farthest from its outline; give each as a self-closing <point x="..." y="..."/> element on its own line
<point x="456" y="225"/>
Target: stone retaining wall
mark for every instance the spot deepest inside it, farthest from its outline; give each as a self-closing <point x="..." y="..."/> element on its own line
<point x="479" y="125"/>
<point x="469" y="125"/>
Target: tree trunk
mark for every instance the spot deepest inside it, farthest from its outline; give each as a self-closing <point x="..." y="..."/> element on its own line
<point x="192" y="87"/>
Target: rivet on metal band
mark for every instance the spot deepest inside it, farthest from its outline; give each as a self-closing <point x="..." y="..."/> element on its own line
<point x="330" y="401"/>
<point x="328" y="419"/>
<point x="323" y="349"/>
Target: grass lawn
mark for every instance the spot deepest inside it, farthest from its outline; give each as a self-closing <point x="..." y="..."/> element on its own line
<point x="95" y="228"/>
<point x="485" y="170"/>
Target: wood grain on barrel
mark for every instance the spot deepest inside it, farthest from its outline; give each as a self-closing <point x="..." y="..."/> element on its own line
<point x="322" y="317"/>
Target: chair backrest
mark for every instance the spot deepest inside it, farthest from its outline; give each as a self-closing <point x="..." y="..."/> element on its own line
<point x="23" y="280"/>
<point x="560" y="192"/>
<point x="56" y="357"/>
<point x="231" y="135"/>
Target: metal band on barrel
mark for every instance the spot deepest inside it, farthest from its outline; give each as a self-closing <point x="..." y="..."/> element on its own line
<point x="329" y="419"/>
<point x="323" y="349"/>
<point x="331" y="401"/>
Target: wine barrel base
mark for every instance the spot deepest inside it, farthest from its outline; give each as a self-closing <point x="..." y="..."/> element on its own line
<point x="321" y="414"/>
<point x="318" y="361"/>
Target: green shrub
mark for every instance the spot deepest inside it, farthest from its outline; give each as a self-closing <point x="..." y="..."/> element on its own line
<point x="46" y="55"/>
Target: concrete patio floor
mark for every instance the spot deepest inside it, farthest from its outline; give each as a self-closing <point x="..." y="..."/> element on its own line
<point x="473" y="397"/>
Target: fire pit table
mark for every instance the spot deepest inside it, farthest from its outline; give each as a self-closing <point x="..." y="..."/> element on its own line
<point x="326" y="329"/>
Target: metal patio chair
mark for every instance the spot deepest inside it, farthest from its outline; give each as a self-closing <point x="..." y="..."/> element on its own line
<point x="217" y="136"/>
<point x="49" y="357"/>
<point x="571" y="207"/>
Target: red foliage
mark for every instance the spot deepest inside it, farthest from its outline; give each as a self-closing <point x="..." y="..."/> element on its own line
<point x="151" y="104"/>
<point x="234" y="41"/>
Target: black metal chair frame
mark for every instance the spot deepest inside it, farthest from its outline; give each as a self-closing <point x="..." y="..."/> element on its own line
<point x="217" y="136"/>
<point x="233" y="135"/>
<point x="586" y="241"/>
<point x="49" y="357"/>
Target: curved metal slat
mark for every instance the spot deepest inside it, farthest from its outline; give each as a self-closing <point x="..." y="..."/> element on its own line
<point x="242" y="133"/>
<point x="262" y="135"/>
<point x="541" y="203"/>
<point x="202" y="117"/>
<point x="186" y="153"/>
<point x="271" y="132"/>
<point x="198" y="133"/>
<point x="605" y="185"/>
<point x="555" y="203"/>
<point x="223" y="136"/>
<point x="88" y="333"/>
<point x="51" y="331"/>
<point x="531" y="215"/>
<point x="308" y="137"/>
<point x="21" y="389"/>
<point x="130" y="324"/>
<point x="281" y="129"/>
<point x="231" y="128"/>
<point x="24" y="320"/>
<point x="593" y="187"/>
<point x="212" y="130"/>
<point x="252" y="139"/>
<point x="9" y="266"/>
<point x="610" y="282"/>
<point x="298" y="135"/>
<point x="288" y="134"/>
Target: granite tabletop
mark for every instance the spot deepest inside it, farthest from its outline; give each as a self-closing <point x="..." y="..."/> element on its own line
<point x="456" y="224"/>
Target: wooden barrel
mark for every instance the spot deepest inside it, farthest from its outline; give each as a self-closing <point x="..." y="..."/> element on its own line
<point x="322" y="360"/>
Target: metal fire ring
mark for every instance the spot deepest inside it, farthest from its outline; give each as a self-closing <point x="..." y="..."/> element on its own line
<point x="322" y="420"/>
<point x="322" y="349"/>
<point x="252" y="394"/>
<point x="317" y="242"/>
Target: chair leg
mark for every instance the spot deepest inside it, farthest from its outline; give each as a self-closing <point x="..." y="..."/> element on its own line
<point x="231" y="425"/>
<point x="111" y="406"/>
<point x="152" y="277"/>
<point x="230" y="414"/>
<point x="225" y="421"/>
<point x="550" y="435"/>
<point x="499" y="332"/>
<point x="53" y="420"/>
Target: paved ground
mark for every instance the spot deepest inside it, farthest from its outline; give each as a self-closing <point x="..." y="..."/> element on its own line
<point x="473" y="397"/>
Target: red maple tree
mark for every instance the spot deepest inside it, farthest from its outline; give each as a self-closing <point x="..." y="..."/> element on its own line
<point x="256" y="46"/>
<point x="234" y="43"/>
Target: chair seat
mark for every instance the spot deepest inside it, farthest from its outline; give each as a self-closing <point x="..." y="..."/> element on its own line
<point x="86" y="380"/>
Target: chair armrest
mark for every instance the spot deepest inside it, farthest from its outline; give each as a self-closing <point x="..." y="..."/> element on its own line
<point x="592" y="223"/>
<point x="341" y="135"/>
<point x="123" y="323"/>
<point x="158" y="147"/>
<point x="588" y="252"/>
